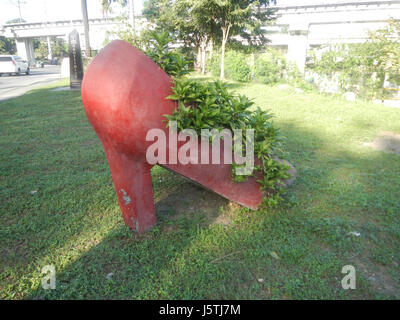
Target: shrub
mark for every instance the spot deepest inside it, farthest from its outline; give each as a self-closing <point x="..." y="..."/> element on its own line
<point x="365" y="67"/>
<point x="237" y="66"/>
<point x="209" y="105"/>
<point x="294" y="77"/>
<point x="171" y="61"/>
<point x="213" y="66"/>
<point x="269" y="67"/>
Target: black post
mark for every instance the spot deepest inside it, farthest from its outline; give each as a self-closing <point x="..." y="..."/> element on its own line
<point x="75" y="60"/>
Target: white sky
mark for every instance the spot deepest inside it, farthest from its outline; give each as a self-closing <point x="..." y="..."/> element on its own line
<point x="52" y="10"/>
<point x="306" y="2"/>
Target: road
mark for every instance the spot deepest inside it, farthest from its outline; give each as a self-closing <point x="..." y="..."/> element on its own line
<point x="14" y="86"/>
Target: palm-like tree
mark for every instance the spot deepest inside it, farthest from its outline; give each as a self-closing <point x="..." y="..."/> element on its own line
<point x="106" y="5"/>
<point x="86" y="27"/>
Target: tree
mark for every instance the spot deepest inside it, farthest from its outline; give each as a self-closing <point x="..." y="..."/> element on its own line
<point x="198" y="23"/>
<point x="386" y="42"/>
<point x="41" y="51"/>
<point x="186" y="21"/>
<point x="16" y="20"/>
<point x="106" y="5"/>
<point x="153" y="9"/>
<point x="86" y="27"/>
<point x="205" y="26"/>
<point x="7" y="46"/>
<point x="58" y="49"/>
<point x="239" y="17"/>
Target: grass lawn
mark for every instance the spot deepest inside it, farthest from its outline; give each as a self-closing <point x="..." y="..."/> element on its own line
<point x="58" y="206"/>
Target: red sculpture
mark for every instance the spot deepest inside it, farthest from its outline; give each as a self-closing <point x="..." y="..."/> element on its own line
<point x="123" y="92"/>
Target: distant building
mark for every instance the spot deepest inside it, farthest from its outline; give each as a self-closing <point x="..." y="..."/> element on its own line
<point x="298" y="27"/>
<point x="314" y="23"/>
<point x="25" y="33"/>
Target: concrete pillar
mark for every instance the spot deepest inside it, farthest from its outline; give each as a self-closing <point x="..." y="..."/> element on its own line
<point x="25" y="49"/>
<point x="50" y="54"/>
<point x="298" y="44"/>
<point x="21" y="48"/>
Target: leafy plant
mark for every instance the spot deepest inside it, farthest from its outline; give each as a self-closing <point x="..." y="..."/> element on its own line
<point x="58" y="48"/>
<point x="7" y="46"/>
<point x="236" y="67"/>
<point x="156" y="44"/>
<point x="269" y="67"/>
<point x="209" y="105"/>
<point x="172" y="62"/>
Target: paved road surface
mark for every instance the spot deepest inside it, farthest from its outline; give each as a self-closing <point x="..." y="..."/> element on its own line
<point x="13" y="86"/>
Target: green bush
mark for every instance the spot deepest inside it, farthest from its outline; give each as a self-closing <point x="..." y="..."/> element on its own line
<point x="171" y="61"/>
<point x="237" y="66"/>
<point x="269" y="67"/>
<point x="294" y="77"/>
<point x="210" y="105"/>
<point x="213" y="65"/>
<point x="364" y="67"/>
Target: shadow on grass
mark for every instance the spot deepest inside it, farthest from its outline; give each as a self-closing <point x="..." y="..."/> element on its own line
<point x="202" y="246"/>
<point x="190" y="256"/>
<point x="57" y="195"/>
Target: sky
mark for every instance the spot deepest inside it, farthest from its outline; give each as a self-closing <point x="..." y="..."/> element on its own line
<point x="52" y="10"/>
<point x="306" y="2"/>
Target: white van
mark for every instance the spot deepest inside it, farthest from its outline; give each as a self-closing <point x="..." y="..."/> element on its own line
<point x="13" y="64"/>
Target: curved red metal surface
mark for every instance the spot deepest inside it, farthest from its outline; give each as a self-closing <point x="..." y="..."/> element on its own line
<point x="124" y="95"/>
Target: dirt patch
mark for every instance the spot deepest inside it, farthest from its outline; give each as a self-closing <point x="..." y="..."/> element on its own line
<point x="378" y="277"/>
<point x="386" y="141"/>
<point x="189" y="198"/>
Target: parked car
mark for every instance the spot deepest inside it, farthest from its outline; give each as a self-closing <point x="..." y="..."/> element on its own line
<point x="13" y="64"/>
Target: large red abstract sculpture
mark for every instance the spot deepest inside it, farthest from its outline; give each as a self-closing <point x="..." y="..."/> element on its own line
<point x="124" y="95"/>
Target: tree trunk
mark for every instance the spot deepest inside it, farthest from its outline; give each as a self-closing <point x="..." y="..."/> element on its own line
<point x="198" y="58"/>
<point x="225" y="35"/>
<point x="203" y="46"/>
<point x="86" y="27"/>
<point x="203" y="61"/>
<point x="253" y="65"/>
<point x="222" y="72"/>
<point x="211" y="48"/>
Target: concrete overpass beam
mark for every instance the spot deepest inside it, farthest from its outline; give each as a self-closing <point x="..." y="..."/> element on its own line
<point x="297" y="45"/>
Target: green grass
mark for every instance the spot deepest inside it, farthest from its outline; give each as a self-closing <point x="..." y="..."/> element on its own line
<point x="203" y="247"/>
